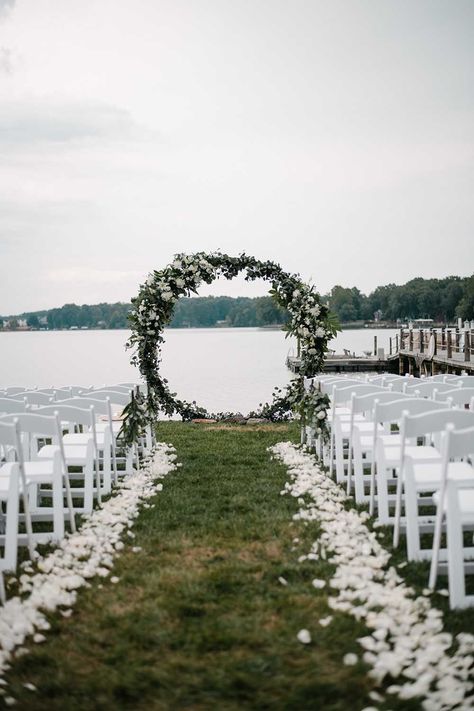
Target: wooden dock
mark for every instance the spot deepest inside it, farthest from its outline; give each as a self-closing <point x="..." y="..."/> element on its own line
<point x="414" y="351"/>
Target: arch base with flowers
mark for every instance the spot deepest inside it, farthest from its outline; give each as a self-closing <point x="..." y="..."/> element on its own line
<point x="309" y="321"/>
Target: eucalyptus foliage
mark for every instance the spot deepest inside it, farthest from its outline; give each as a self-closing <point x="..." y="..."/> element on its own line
<point x="152" y="309"/>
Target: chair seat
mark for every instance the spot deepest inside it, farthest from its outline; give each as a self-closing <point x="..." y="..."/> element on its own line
<point x="82" y="439"/>
<point x="428" y="476"/>
<point x="40" y="471"/>
<point x="418" y="454"/>
<point x="76" y="454"/>
<point x="362" y="426"/>
<point x="387" y="441"/>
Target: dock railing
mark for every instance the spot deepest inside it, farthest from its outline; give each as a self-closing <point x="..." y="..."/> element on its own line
<point x="451" y="347"/>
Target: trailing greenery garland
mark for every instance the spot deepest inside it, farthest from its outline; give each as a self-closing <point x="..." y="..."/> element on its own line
<point x="152" y="309"/>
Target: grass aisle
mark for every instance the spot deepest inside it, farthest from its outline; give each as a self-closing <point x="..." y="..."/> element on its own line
<point x="199" y="619"/>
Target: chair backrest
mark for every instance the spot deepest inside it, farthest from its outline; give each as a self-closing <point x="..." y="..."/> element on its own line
<point x="398" y="385"/>
<point x="33" y="423"/>
<point x="14" y="390"/>
<point x="458" y="442"/>
<point x="340" y="395"/>
<point x="433" y="422"/>
<point x="427" y="389"/>
<point x="116" y="398"/>
<point x="364" y="403"/>
<point x="67" y="413"/>
<point x="393" y="411"/>
<point x="328" y="385"/>
<point x="457" y="396"/>
<point x="101" y="407"/>
<point x="9" y="405"/>
<point x="440" y="378"/>
<point x="34" y="397"/>
<point x="113" y="388"/>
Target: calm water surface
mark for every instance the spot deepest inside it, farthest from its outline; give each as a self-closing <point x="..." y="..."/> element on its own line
<point x="220" y="368"/>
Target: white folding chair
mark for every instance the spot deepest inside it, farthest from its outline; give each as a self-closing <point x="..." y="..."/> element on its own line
<point x="82" y="455"/>
<point x="417" y="479"/>
<point x="361" y="439"/>
<point x="387" y="449"/>
<point x="455" y="501"/>
<point x="40" y="470"/>
<point x="340" y="423"/>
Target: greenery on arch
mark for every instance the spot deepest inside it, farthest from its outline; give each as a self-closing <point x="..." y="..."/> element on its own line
<point x="152" y="309"/>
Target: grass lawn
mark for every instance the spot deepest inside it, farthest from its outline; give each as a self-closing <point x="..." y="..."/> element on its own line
<point x="199" y="619"/>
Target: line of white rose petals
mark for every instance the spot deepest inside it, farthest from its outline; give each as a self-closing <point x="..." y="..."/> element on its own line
<point x="407" y="642"/>
<point x="52" y="582"/>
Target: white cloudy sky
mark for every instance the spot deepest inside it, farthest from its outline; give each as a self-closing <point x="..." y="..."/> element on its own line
<point x="335" y="137"/>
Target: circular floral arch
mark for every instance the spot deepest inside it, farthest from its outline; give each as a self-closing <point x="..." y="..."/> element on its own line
<point x="309" y="321"/>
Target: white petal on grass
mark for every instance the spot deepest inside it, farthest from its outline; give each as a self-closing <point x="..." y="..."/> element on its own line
<point x="282" y="580"/>
<point x="350" y="659"/>
<point x="304" y="636"/>
<point x="318" y="584"/>
<point x="325" y="621"/>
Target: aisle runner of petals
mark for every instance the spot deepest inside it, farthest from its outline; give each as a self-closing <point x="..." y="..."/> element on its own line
<point x="53" y="582"/>
<point x="407" y="644"/>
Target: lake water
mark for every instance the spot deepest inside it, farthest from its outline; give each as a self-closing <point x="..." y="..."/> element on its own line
<point x="221" y="368"/>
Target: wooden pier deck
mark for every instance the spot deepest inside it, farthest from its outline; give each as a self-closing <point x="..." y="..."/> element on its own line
<point x="415" y="351"/>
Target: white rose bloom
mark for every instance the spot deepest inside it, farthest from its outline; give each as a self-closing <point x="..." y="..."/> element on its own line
<point x="296" y="293"/>
<point x="176" y="264"/>
<point x="167" y="296"/>
<point x="180" y="282"/>
<point x="321" y="415"/>
<point x="320" y="332"/>
<point x="316" y="310"/>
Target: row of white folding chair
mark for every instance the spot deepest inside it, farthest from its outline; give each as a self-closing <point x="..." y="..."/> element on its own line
<point x="420" y="472"/>
<point x="30" y="474"/>
<point x="428" y="454"/>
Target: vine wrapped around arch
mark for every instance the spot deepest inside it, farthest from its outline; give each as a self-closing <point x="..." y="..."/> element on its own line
<point x="310" y="321"/>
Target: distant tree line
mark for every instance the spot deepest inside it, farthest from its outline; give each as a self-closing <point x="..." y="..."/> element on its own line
<point x="190" y="312"/>
<point x="440" y="299"/>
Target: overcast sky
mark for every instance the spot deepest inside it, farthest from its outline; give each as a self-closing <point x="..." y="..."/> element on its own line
<point x="333" y="136"/>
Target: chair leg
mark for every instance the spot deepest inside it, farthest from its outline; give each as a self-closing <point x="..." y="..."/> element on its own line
<point x="457" y="589"/>
<point x="11" y="526"/>
<point x="411" y="515"/>
<point x="88" y="471"/>
<point x="58" y="505"/>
